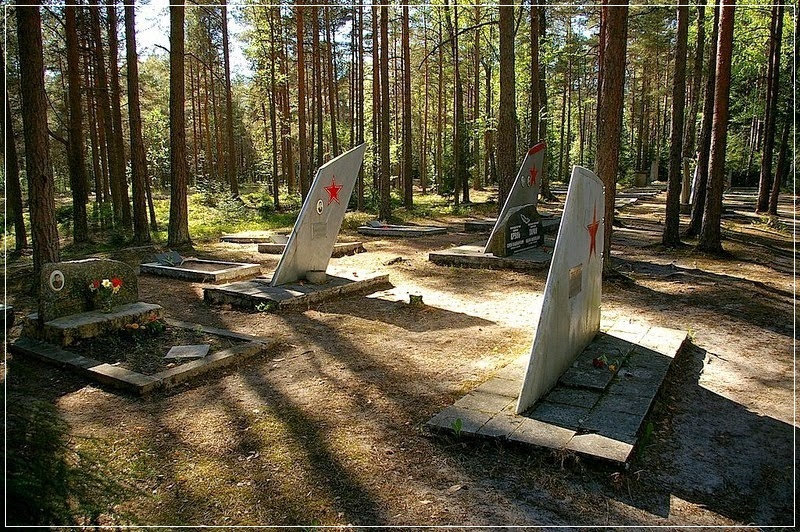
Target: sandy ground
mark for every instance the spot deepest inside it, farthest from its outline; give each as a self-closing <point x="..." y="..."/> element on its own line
<point x="329" y="428"/>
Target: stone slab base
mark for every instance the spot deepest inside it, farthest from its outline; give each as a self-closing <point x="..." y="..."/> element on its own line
<point x="257" y="294"/>
<point x="595" y="412"/>
<point x="340" y="249"/>
<point x="412" y="231"/>
<point x="140" y="383"/>
<point x="203" y="271"/>
<point x="485" y="225"/>
<point x="248" y="237"/>
<point x="67" y="329"/>
<point x="472" y="256"/>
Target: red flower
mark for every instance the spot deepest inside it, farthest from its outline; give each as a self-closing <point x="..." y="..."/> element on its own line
<point x="96" y="283"/>
<point x="116" y="281"/>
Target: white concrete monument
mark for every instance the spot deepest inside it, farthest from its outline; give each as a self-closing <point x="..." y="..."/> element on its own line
<point x="314" y="235"/>
<point x="570" y="316"/>
<point x="518" y="227"/>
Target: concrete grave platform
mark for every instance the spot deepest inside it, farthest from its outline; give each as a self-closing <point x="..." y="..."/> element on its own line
<point x="595" y="412"/>
<point x="140" y="383"/>
<point x="485" y="225"/>
<point x="67" y="329"/>
<point x="249" y="237"/>
<point x="340" y="249"/>
<point x="202" y="271"/>
<point x="258" y="294"/>
<point x="472" y="256"/>
<point x="411" y="231"/>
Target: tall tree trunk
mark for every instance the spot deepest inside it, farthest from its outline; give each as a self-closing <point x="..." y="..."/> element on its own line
<point x="376" y="103"/>
<point x="139" y="177"/>
<point x="332" y="90"/>
<point x="408" y="163"/>
<point x="385" y="207"/>
<point x="697" y="74"/>
<point x="507" y="116"/>
<point x="122" y="203"/>
<point x="439" y="115"/>
<point x="423" y="162"/>
<point x="459" y="163"/>
<point x="44" y="231"/>
<point x="77" y="166"/>
<point x="178" y="233"/>
<point x="710" y="233"/>
<point x="477" y="183"/>
<point x="609" y="110"/>
<point x="274" y="14"/>
<point x="317" y="84"/>
<point x="301" y="103"/>
<point x="544" y="190"/>
<point x="671" y="235"/>
<point x="230" y="160"/>
<point x="11" y="169"/>
<point x="105" y="122"/>
<point x="534" y="87"/>
<point x="782" y="167"/>
<point x="360" y="102"/>
<point x="765" y="178"/>
<point x="704" y="135"/>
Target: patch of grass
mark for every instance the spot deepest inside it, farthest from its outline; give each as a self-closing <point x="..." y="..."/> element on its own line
<point x="50" y="481"/>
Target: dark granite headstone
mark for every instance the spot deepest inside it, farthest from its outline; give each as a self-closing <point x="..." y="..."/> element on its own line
<point x="64" y="286"/>
<point x="522" y="230"/>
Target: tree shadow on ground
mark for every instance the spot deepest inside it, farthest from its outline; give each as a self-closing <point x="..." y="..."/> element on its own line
<point x="710" y="450"/>
<point x="400" y="314"/>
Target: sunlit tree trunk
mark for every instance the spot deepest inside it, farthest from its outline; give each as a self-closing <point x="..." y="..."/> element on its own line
<point x="507" y="116"/>
<point x="710" y="233"/>
<point x="765" y="177"/>
<point x="385" y="208"/>
<point x="408" y="189"/>
<point x="609" y="110"/>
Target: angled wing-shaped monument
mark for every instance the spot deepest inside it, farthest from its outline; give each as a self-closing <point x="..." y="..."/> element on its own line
<point x="570" y="316"/>
<point x="314" y="235"/>
<point x="518" y="227"/>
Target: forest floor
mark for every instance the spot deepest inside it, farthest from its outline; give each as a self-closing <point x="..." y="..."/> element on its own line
<point x="330" y="427"/>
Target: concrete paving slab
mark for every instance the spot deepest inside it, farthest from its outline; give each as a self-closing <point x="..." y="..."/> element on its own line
<point x="472" y="256"/>
<point x="259" y="294"/>
<point x="600" y="420"/>
<point x="203" y="271"/>
<point x="410" y="231"/>
<point x="340" y="249"/>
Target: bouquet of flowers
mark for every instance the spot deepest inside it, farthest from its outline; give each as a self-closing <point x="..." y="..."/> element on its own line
<point x="103" y="291"/>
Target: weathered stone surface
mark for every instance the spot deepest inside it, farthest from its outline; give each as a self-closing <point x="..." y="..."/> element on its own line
<point x="472" y="256"/>
<point x="203" y="271"/>
<point x="316" y="277"/>
<point x="562" y="415"/>
<point x="69" y="291"/>
<point x="260" y="294"/>
<point x="499" y="386"/>
<point x="340" y="249"/>
<point x="485" y="225"/>
<point x="501" y="425"/>
<point x="534" y="432"/>
<point x="573" y="397"/>
<point x="471" y="420"/>
<point x="411" y="231"/>
<point x="598" y="446"/>
<point x="482" y="401"/>
<point x="67" y="329"/>
<point x="122" y="378"/>
<point x="619" y="426"/>
<point x="188" y="351"/>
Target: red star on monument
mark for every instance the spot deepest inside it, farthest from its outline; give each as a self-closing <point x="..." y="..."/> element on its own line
<point x="333" y="191"/>
<point x="593" y="227"/>
<point x="534" y="173"/>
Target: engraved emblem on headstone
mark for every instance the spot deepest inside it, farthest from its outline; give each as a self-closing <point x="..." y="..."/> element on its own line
<point x="57" y="280"/>
<point x="320" y="206"/>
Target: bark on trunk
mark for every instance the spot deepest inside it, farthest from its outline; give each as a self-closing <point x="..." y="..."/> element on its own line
<point x="178" y="232"/>
<point x="77" y="166"/>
